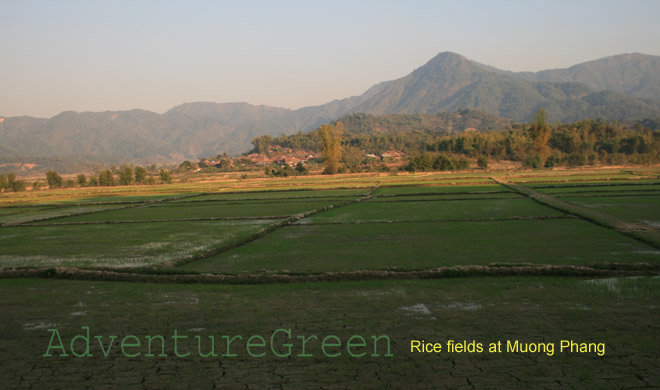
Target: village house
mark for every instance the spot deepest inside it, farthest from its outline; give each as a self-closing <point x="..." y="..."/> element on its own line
<point x="392" y="155"/>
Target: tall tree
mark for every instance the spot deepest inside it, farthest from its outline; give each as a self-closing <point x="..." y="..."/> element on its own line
<point x="165" y="176"/>
<point x="140" y="174"/>
<point x="82" y="180"/>
<point x="4" y="184"/>
<point x="125" y="175"/>
<point x="54" y="179"/>
<point x="331" y="146"/>
<point x="262" y="144"/>
<point x="14" y="184"/>
<point x="353" y="158"/>
<point x="18" y="185"/>
<point x="541" y="117"/>
<point x="541" y="132"/>
<point x="106" y="178"/>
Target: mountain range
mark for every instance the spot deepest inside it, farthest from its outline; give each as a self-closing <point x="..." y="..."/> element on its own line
<point x="624" y="87"/>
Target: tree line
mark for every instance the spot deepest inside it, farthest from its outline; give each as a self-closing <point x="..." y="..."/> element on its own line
<point x="536" y="144"/>
<point x="125" y="175"/>
<point x="347" y="147"/>
<point x="9" y="183"/>
<point x="539" y="144"/>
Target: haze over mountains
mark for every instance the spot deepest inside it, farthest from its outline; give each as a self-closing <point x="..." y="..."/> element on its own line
<point x="623" y="87"/>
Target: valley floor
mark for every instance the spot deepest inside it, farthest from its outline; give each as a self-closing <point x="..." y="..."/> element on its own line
<point x="539" y="258"/>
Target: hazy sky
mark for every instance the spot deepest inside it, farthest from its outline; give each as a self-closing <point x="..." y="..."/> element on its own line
<point x="115" y="55"/>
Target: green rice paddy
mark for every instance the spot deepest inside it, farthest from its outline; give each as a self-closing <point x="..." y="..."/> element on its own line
<point x="563" y="273"/>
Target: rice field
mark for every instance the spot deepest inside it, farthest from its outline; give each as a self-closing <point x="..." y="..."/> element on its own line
<point x="537" y="257"/>
<point x="118" y="245"/>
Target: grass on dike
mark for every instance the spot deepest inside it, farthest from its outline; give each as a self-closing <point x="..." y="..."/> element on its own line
<point x="584" y="178"/>
<point x="439" y="189"/>
<point x="444" y="196"/>
<point x="621" y="188"/>
<point x="582" y="173"/>
<point x="172" y="211"/>
<point x="277" y="194"/>
<point x="29" y="214"/>
<point x="90" y="195"/>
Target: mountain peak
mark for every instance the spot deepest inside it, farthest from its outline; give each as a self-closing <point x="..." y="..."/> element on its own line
<point x="447" y="57"/>
<point x="448" y="61"/>
<point x="428" y="87"/>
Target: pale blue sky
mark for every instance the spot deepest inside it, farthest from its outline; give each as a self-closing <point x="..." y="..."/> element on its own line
<point x="115" y="55"/>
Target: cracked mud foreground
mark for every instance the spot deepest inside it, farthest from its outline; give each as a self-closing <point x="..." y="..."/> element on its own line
<point x="623" y="313"/>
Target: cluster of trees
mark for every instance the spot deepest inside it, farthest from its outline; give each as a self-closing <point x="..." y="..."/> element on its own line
<point x="540" y="144"/>
<point x="125" y="175"/>
<point x="436" y="142"/>
<point x="299" y="141"/>
<point x="459" y="120"/>
<point x="535" y="145"/>
<point x="274" y="170"/>
<point x="9" y="183"/>
<point x="377" y="134"/>
<point x="428" y="162"/>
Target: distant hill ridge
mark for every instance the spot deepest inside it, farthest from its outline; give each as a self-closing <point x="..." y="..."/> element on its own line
<point x="622" y="87"/>
<point x="450" y="81"/>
